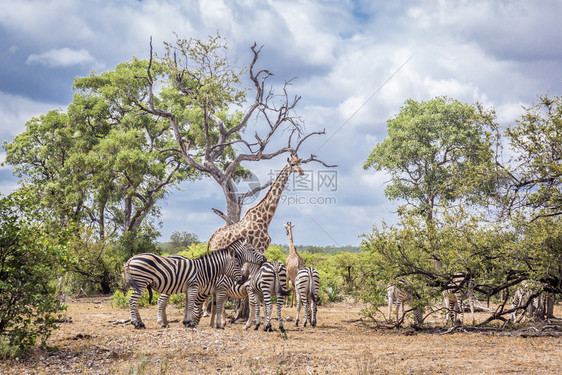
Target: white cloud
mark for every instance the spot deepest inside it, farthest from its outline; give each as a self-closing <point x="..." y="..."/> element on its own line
<point x="16" y="110"/>
<point x="499" y="53"/>
<point x="63" y="57"/>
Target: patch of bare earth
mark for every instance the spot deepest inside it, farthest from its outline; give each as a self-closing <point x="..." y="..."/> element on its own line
<point x="96" y="341"/>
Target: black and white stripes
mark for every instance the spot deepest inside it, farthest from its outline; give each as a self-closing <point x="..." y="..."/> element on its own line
<point x="270" y="280"/>
<point x="171" y="275"/>
<point x="307" y="284"/>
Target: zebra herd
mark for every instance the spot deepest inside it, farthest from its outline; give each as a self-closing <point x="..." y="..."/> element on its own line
<point x="525" y="302"/>
<point x="238" y="271"/>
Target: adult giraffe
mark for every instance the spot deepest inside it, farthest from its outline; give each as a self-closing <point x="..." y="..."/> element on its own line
<point x="255" y="223"/>
<point x="294" y="262"/>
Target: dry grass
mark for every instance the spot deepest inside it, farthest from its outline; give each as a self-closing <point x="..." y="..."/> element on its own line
<point x="96" y="343"/>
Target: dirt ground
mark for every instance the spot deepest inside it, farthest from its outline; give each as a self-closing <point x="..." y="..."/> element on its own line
<point x="95" y="340"/>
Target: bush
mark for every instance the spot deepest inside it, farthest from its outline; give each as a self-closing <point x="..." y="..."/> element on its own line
<point x="30" y="256"/>
<point x="331" y="290"/>
<point x="120" y="300"/>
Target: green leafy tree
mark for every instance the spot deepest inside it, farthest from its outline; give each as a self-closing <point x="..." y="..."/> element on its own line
<point x="437" y="152"/>
<point x="276" y="253"/>
<point x="103" y="163"/>
<point x="181" y="240"/>
<point x="536" y="169"/>
<point x="30" y="256"/>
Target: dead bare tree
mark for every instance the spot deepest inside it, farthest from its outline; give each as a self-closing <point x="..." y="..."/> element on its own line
<point x="215" y="155"/>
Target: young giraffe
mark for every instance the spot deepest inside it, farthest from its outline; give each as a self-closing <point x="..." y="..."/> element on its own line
<point x="255" y="223"/>
<point x="294" y="262"/>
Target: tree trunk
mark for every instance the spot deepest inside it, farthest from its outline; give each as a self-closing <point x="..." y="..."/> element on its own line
<point x="233" y="207"/>
<point x="549" y="306"/>
<point x="242" y="310"/>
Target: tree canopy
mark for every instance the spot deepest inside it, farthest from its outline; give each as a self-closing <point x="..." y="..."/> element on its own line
<point x="536" y="168"/>
<point x="436" y="152"/>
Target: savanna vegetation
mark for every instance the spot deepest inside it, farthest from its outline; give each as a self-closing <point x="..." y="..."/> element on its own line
<point x="92" y="179"/>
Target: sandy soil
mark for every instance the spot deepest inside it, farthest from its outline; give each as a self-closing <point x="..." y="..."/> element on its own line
<point x="97" y="341"/>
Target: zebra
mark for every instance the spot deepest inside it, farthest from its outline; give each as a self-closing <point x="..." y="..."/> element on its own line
<point x="454" y="296"/>
<point x="399" y="297"/>
<point x="248" y="256"/>
<point x="532" y="301"/>
<point x="270" y="279"/>
<point x="307" y="284"/>
<point x="519" y="299"/>
<point x="171" y="275"/>
<point x="226" y="287"/>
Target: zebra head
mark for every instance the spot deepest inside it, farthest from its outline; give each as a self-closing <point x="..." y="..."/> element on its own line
<point x="233" y="269"/>
<point x="245" y="253"/>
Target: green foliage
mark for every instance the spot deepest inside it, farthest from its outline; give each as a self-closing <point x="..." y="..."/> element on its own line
<point x="536" y="167"/>
<point x="330" y="289"/>
<point x="179" y="240"/>
<point x="436" y="152"/>
<point x="30" y="256"/>
<point x="100" y="165"/>
<point x="95" y="266"/>
<point x="120" y="300"/>
<point x="276" y="253"/>
<point x="194" y="251"/>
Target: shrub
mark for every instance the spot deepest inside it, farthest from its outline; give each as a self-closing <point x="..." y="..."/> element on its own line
<point x="120" y="300"/>
<point x="29" y="256"/>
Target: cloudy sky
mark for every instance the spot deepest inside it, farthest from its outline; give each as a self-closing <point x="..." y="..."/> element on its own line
<point x="356" y="62"/>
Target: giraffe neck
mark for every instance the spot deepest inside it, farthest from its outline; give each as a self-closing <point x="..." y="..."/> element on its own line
<point x="292" y="248"/>
<point x="267" y="206"/>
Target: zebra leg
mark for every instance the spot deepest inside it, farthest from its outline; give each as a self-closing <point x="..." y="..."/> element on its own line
<point x="258" y="302"/>
<point x="218" y="310"/>
<point x="213" y="310"/>
<point x="190" y="310"/>
<point x="252" y="312"/>
<point x="280" y="300"/>
<point x="134" y="309"/>
<point x="267" y="307"/>
<point x="206" y="307"/>
<point x="306" y="303"/>
<point x="313" y="312"/>
<point x="299" y="305"/>
<point x="162" y="319"/>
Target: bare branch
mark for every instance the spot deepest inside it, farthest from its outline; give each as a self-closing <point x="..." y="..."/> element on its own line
<point x="313" y="158"/>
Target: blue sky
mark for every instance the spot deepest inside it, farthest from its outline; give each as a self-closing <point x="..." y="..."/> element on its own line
<point x="499" y="53"/>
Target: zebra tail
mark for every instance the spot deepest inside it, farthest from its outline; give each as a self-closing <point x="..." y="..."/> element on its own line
<point x="277" y="283"/>
<point x="149" y="288"/>
<point x="125" y="277"/>
<point x="311" y="286"/>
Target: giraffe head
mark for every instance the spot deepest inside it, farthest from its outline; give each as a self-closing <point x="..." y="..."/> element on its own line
<point x="295" y="164"/>
<point x="288" y="227"/>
